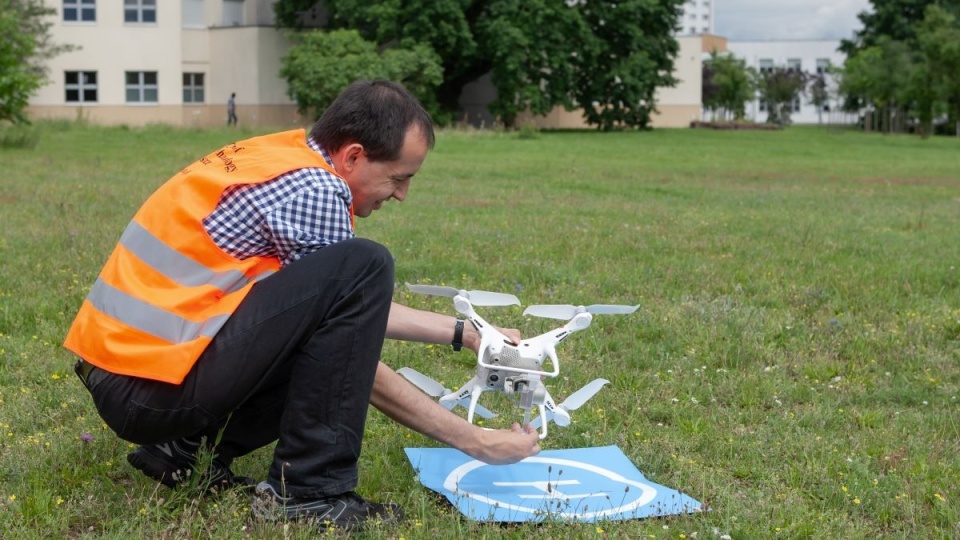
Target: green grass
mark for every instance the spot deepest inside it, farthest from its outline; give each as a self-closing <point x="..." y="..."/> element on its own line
<point x="795" y="363"/>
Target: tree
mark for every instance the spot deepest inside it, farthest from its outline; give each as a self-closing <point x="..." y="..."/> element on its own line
<point x="25" y="45"/>
<point x="889" y="21"/>
<point x="819" y="94"/>
<point x="315" y="67"/>
<point x="779" y="89"/>
<point x="883" y="76"/>
<point x="605" y="56"/>
<point x="895" y="19"/>
<point x="732" y="83"/>
<point x="939" y="41"/>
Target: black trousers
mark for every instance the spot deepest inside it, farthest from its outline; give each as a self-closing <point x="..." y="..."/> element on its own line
<point x="295" y="364"/>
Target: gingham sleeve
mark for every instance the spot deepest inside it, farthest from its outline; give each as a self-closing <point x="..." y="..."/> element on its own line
<point x="310" y="219"/>
<point x="288" y="217"/>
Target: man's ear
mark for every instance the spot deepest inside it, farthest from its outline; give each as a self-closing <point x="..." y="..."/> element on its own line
<point x="350" y="154"/>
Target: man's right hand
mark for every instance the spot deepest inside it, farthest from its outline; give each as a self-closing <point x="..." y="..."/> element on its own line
<point x="502" y="447"/>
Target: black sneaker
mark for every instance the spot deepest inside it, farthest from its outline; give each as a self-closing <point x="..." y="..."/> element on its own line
<point x="345" y="511"/>
<point x="171" y="464"/>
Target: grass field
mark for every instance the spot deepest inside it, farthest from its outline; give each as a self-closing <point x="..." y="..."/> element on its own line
<point x="794" y="365"/>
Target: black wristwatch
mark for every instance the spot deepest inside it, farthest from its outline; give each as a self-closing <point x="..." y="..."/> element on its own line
<point x="458" y="335"/>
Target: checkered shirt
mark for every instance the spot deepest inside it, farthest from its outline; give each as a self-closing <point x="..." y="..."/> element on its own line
<point x="294" y="214"/>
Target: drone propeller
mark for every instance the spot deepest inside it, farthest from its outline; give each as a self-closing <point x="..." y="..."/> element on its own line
<point x="567" y="311"/>
<point x="575" y="400"/>
<point x="477" y="298"/>
<point x="434" y="389"/>
<point x="421" y="381"/>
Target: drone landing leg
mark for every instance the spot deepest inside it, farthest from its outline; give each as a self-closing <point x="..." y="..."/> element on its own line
<point x="543" y="422"/>
<point x="474" y="398"/>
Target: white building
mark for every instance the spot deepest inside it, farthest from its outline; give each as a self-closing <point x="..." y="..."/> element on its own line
<point x="811" y="56"/>
<point x="697" y="18"/>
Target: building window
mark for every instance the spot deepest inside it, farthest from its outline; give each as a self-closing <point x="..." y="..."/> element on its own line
<point x="232" y="12"/>
<point x="193" y="87"/>
<point x="193" y="14"/>
<point x="823" y="65"/>
<point x="80" y="86"/>
<point x="141" y="86"/>
<point x="80" y="10"/>
<point x="140" y="11"/>
<point x="766" y="65"/>
<point x="794" y="64"/>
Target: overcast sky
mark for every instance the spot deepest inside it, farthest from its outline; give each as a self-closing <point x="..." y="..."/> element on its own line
<point x="745" y="20"/>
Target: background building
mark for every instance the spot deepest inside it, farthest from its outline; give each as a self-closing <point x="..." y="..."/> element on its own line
<point x="697" y="18"/>
<point x="177" y="62"/>
<point x="811" y="56"/>
<point x="173" y="62"/>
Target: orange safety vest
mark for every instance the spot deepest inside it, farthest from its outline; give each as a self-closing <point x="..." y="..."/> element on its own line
<point x="167" y="288"/>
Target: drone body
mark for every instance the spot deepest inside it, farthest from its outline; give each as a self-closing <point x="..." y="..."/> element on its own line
<point x="516" y="369"/>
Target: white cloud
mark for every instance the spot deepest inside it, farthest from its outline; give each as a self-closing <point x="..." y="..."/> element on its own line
<point x="742" y="20"/>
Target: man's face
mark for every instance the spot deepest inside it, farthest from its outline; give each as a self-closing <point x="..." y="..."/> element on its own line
<point x="375" y="182"/>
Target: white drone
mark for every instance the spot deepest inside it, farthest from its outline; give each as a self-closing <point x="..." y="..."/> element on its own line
<point x="515" y="369"/>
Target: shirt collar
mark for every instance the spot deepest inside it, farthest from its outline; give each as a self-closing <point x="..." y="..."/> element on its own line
<point x="316" y="147"/>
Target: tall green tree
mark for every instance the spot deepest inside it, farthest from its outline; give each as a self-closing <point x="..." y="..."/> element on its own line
<point x="26" y="43"/>
<point x="605" y="56"/>
<point x="895" y="19"/>
<point x="733" y="83"/>
<point x="884" y="77"/>
<point x="320" y="64"/>
<point x="939" y="44"/>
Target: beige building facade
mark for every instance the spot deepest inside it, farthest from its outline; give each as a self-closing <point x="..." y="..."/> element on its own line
<point x="166" y="61"/>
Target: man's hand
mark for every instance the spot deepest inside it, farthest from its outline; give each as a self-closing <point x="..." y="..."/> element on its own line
<point x="471" y="337"/>
<point x="502" y="447"/>
<point x="406" y="404"/>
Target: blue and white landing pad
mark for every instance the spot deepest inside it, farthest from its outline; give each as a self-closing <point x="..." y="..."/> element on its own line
<point x="583" y="484"/>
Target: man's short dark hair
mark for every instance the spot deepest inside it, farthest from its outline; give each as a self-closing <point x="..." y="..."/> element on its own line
<point x="376" y="114"/>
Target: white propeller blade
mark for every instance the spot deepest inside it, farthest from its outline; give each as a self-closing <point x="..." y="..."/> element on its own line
<point x="435" y="389"/>
<point x="574" y="400"/>
<point x="421" y="381"/>
<point x="477" y="298"/>
<point x="578" y="398"/>
<point x="567" y="311"/>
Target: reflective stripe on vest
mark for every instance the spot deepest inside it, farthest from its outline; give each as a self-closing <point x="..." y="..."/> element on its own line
<point x="177" y="267"/>
<point x="148" y="318"/>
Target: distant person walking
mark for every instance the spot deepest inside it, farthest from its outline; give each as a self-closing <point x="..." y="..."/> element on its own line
<point x="232" y="110"/>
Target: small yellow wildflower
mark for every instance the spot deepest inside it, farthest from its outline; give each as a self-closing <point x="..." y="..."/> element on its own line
<point x="856" y="500"/>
